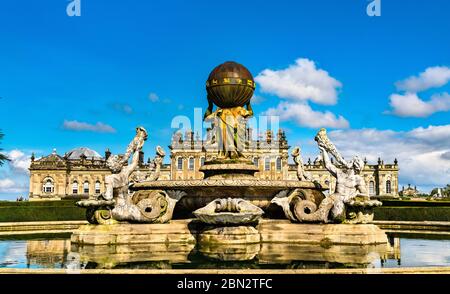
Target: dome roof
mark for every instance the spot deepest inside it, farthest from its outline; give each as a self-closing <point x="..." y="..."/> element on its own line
<point x="77" y="152"/>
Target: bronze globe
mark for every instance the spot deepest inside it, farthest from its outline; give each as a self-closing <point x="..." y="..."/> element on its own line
<point x="230" y="85"/>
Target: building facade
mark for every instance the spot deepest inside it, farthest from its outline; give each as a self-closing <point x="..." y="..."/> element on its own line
<point x="271" y="154"/>
<point x="81" y="172"/>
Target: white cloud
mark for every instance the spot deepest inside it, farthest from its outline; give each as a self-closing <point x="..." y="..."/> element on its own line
<point x="421" y="152"/>
<point x="153" y="97"/>
<point x="298" y="84"/>
<point x="125" y="108"/>
<point x="19" y="162"/>
<point x="302" y="81"/>
<point x="410" y="105"/>
<point x="9" y="186"/>
<point x="256" y="99"/>
<point x="432" y="77"/>
<point x="303" y="115"/>
<point x="99" y="127"/>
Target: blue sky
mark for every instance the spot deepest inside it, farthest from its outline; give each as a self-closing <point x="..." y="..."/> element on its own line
<point x="101" y="68"/>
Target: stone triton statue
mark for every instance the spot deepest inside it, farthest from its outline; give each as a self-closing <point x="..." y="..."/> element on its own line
<point x="117" y="183"/>
<point x="349" y="203"/>
<point x="118" y="204"/>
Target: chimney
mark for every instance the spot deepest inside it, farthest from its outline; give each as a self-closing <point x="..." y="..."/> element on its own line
<point x="107" y="153"/>
<point x="141" y="157"/>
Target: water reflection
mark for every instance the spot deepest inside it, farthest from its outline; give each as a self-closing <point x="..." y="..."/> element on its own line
<point x="58" y="253"/>
<point x="47" y="253"/>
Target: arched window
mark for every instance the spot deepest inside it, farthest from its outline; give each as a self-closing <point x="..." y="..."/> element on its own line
<point x="75" y="188"/>
<point x="97" y="187"/>
<point x="202" y="161"/>
<point x="371" y="188"/>
<point x="191" y="163"/>
<point x="388" y="187"/>
<point x="278" y="163"/>
<point x="256" y="161"/>
<point x="86" y="187"/>
<point x="267" y="164"/>
<point x="327" y="183"/>
<point x="180" y="163"/>
<point x="48" y="186"/>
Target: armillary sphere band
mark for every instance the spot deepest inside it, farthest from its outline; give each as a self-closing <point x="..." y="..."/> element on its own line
<point x="230" y="81"/>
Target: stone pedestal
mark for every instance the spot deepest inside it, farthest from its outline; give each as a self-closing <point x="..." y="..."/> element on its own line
<point x="229" y="171"/>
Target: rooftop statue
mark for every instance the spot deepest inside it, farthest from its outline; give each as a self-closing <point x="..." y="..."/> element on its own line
<point x="154" y="168"/>
<point x="301" y="174"/>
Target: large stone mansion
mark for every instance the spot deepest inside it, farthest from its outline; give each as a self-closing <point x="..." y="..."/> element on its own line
<point x="81" y="172"/>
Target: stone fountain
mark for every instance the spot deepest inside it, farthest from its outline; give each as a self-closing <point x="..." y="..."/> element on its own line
<point x="228" y="206"/>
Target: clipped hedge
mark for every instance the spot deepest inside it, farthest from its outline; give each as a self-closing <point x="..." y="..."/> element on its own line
<point x="413" y="213"/>
<point x="408" y="203"/>
<point x="62" y="210"/>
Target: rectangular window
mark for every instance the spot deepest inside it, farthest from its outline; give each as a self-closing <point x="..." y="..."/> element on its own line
<point x="191" y="163"/>
<point x="97" y="188"/>
<point x="267" y="164"/>
<point x="278" y="164"/>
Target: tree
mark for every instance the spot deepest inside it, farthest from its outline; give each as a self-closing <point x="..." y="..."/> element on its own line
<point x="3" y="157"/>
<point x="444" y="191"/>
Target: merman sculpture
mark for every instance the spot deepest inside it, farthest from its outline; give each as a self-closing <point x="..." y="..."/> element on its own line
<point x="117" y="204"/>
<point x="349" y="203"/>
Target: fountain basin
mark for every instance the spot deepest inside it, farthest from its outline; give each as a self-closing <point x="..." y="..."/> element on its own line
<point x="257" y="191"/>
